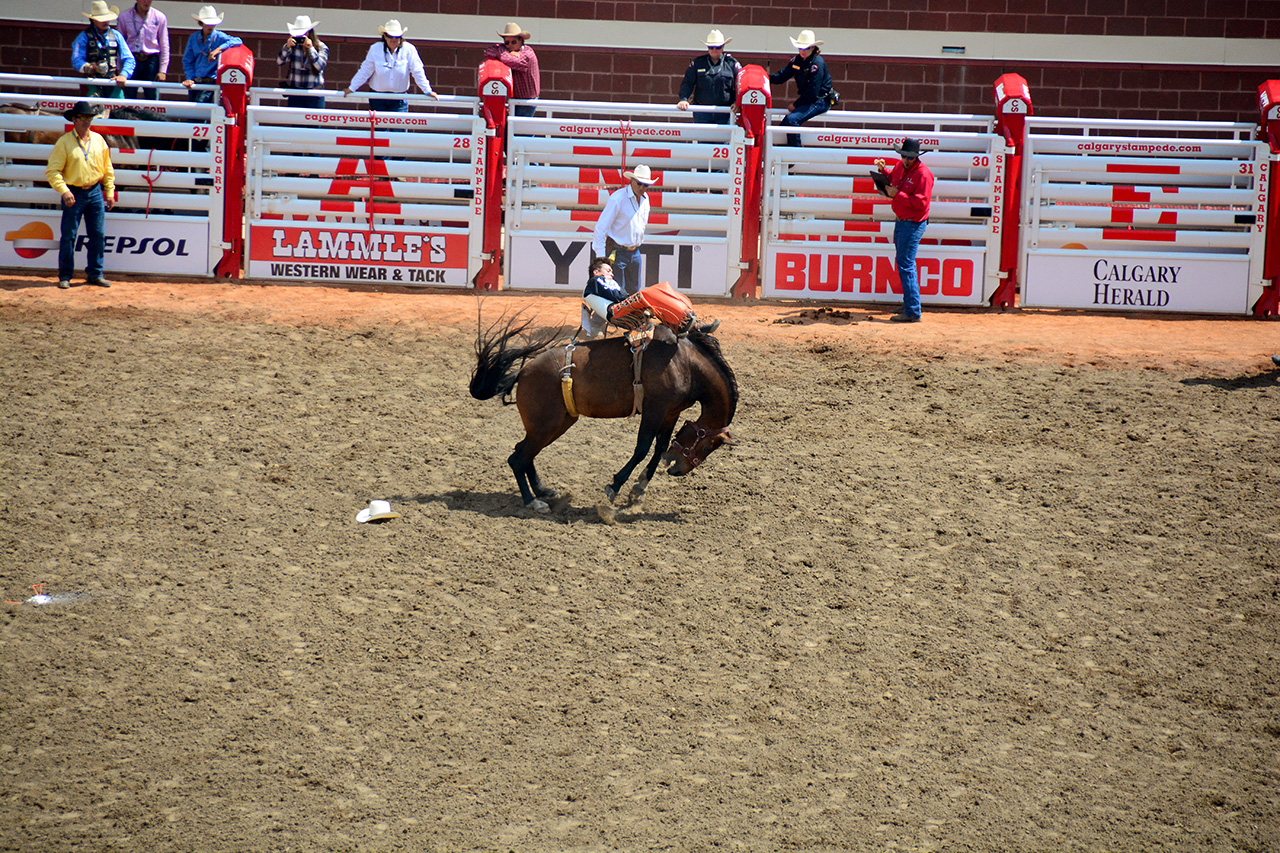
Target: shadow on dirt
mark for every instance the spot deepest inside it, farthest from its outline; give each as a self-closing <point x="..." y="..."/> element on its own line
<point x="1270" y="379"/>
<point x="564" y="509"/>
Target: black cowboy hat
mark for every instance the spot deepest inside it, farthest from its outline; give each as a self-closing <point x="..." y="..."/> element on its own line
<point x="909" y="146"/>
<point x="81" y="108"/>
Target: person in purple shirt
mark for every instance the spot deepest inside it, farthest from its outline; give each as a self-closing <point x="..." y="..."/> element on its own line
<point x="200" y="59"/>
<point x="146" y="31"/>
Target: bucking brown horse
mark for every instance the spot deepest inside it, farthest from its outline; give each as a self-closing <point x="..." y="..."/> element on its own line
<point x="676" y="373"/>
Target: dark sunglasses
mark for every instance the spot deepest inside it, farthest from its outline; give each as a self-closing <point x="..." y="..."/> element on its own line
<point x="715" y="47"/>
<point x="511" y="41"/>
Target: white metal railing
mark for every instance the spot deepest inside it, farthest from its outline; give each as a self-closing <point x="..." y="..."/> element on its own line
<point x="563" y="162"/>
<point x="354" y="195"/>
<point x="828" y="234"/>
<point x="1129" y="214"/>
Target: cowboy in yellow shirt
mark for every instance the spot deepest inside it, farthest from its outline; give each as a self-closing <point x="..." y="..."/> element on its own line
<point x="79" y="170"/>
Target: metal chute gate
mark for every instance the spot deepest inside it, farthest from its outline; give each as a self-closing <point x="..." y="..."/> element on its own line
<point x="170" y="178"/>
<point x="829" y="235"/>
<point x="563" y="162"/>
<point x="1129" y="215"/>
<point x="361" y="196"/>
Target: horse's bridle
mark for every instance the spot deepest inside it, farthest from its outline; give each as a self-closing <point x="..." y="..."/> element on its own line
<point x="700" y="433"/>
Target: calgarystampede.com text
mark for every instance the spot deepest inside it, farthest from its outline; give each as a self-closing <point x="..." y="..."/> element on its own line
<point x="1141" y="147"/>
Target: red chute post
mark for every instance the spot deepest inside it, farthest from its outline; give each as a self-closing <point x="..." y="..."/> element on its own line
<point x="494" y="80"/>
<point x="1269" y="129"/>
<point x="1013" y="105"/>
<point x="754" y="101"/>
<point x="235" y="76"/>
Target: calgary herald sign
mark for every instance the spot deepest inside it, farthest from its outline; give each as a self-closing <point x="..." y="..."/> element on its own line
<point x="385" y="256"/>
<point x="1134" y="281"/>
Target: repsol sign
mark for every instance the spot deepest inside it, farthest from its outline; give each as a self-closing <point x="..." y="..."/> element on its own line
<point x="162" y="247"/>
<point x="825" y="275"/>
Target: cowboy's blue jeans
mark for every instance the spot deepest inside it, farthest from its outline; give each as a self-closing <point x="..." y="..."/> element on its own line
<point x="800" y="115"/>
<point x="906" y="239"/>
<point x="89" y="206"/>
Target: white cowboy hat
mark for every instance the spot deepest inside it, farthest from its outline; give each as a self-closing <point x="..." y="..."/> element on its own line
<point x="715" y="38"/>
<point x="376" y="511"/>
<point x="301" y="26"/>
<point x="208" y="16"/>
<point x="641" y="174"/>
<point x="512" y="30"/>
<point x="807" y="39"/>
<point x="100" y="11"/>
<point x="392" y="28"/>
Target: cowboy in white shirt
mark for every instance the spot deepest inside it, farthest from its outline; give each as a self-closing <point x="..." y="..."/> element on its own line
<point x="387" y="67"/>
<point x="620" y="228"/>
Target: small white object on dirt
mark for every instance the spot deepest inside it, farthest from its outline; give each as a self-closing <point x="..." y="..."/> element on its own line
<point x="376" y="511"/>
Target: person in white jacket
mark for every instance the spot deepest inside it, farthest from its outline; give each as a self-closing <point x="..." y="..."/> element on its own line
<point x="388" y="67"/>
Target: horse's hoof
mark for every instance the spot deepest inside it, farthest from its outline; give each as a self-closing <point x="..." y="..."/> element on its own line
<point x="538" y="505"/>
<point x="548" y="494"/>
<point x="607" y="512"/>
<point x="636" y="498"/>
<point x="610" y="494"/>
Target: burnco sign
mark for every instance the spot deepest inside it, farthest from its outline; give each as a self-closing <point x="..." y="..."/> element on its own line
<point x="1132" y="281"/>
<point x="948" y="275"/>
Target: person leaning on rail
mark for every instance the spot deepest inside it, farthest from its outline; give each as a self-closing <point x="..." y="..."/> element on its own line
<point x="200" y="59"/>
<point x="814" y="92"/>
<point x="146" y="31"/>
<point x="388" y="67"/>
<point x="303" y="59"/>
<point x="711" y="80"/>
<point x="101" y="51"/>
<point x="526" y="80"/>
<point x="79" y="170"/>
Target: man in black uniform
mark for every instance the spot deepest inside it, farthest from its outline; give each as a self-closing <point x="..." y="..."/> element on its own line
<point x="711" y="80"/>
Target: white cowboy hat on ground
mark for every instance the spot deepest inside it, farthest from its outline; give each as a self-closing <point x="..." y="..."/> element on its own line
<point x="208" y="16"/>
<point x="100" y="11"/>
<point x="376" y="511"/>
<point x="715" y="38"/>
<point x="392" y="28"/>
<point x="301" y="26"/>
<point x="807" y="39"/>
<point x="512" y="30"/>
<point x="641" y="174"/>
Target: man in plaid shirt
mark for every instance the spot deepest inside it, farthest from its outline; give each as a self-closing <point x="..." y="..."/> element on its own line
<point x="303" y="58"/>
<point x="523" y="62"/>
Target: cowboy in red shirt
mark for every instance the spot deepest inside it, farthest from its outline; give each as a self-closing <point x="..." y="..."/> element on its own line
<point x="909" y="189"/>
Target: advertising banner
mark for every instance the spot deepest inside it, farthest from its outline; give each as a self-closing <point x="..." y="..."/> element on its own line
<point x="949" y="275"/>
<point x="316" y="252"/>
<point x="170" y="245"/>
<point x="1133" y="281"/>
<point x="560" y="263"/>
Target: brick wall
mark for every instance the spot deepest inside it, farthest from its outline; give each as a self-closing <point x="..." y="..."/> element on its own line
<point x="1206" y="18"/>
<point x="1058" y="89"/>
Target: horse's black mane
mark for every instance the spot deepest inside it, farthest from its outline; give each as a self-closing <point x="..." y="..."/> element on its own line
<point x="710" y="347"/>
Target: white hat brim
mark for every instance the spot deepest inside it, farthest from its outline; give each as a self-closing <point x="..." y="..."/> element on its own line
<point x="366" y="515"/>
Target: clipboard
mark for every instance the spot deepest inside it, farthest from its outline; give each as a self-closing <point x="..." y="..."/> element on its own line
<point x="881" y="181"/>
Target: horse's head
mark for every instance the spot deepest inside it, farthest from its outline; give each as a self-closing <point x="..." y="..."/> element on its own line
<point x="693" y="444"/>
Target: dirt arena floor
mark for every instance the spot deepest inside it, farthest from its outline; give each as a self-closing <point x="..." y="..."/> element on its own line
<point x="993" y="582"/>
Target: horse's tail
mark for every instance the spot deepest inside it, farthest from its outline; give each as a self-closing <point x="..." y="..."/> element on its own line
<point x="498" y="358"/>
